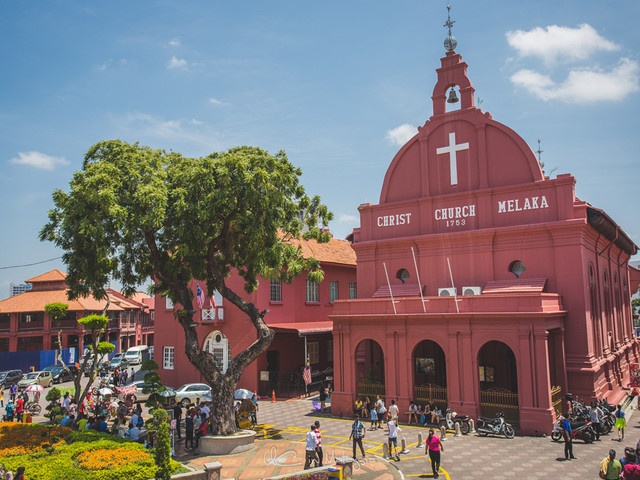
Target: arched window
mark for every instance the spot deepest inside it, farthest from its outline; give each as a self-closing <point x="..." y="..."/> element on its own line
<point x="218" y="346"/>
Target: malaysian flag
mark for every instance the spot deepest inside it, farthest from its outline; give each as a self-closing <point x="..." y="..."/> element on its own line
<point x="307" y="373"/>
<point x="200" y="297"/>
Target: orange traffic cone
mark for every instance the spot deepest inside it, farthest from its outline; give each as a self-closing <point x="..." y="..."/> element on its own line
<point x="273" y="396"/>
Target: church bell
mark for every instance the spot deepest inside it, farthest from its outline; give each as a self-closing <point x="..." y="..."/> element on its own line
<point x="453" y="98"/>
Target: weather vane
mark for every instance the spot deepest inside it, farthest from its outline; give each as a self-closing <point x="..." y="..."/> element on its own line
<point x="450" y="42"/>
<point x="539" y="152"/>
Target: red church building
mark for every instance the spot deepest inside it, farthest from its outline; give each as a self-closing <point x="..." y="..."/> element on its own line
<point x="297" y="312"/>
<point x="482" y="284"/>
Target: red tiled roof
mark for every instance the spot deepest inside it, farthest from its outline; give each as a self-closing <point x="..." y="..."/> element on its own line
<point x="54" y="275"/>
<point x="304" y="327"/>
<point x="334" y="251"/>
<point x="519" y="285"/>
<point x="407" y="290"/>
<point x="35" y="301"/>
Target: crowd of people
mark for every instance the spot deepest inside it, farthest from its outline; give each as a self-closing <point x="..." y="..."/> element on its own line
<point x="366" y="409"/>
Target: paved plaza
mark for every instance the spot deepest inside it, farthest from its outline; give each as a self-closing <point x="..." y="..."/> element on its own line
<point x="280" y="449"/>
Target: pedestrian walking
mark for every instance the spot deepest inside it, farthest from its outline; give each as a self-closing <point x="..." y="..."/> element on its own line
<point x="393" y="438"/>
<point x="568" y="439"/>
<point x="177" y="415"/>
<point x="311" y="455"/>
<point x="319" y="447"/>
<point x="20" y="408"/>
<point x="620" y="422"/>
<point x="357" y="434"/>
<point x="188" y="429"/>
<point x="323" y="396"/>
<point x="380" y="410"/>
<point x="433" y="447"/>
<point x="610" y="467"/>
<point x="394" y="411"/>
<point x="12" y="392"/>
<point x="374" y="418"/>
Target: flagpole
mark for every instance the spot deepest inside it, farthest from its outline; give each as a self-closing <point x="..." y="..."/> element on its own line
<point x="415" y="264"/>
<point x="390" y="291"/>
<point x="455" y="295"/>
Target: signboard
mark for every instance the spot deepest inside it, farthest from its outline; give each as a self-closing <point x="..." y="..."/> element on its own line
<point x="264" y="375"/>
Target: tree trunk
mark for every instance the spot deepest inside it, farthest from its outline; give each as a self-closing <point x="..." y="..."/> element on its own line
<point x="223" y="419"/>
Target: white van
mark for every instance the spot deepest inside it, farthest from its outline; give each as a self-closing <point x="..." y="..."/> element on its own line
<point x="137" y="355"/>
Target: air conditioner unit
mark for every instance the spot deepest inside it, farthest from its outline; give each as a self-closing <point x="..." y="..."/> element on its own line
<point x="447" y="292"/>
<point x="471" y="291"/>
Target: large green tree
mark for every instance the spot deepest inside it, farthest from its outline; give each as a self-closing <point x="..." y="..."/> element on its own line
<point x="135" y="213"/>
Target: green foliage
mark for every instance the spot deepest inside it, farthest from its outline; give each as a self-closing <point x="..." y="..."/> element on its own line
<point x="94" y="322"/>
<point x="105" y="348"/>
<point x="149" y="365"/>
<point x="372" y="376"/>
<point x="162" y="453"/>
<point x="53" y="395"/>
<point x="56" y="311"/>
<point x="61" y="461"/>
<point x="635" y="304"/>
<point x="132" y="209"/>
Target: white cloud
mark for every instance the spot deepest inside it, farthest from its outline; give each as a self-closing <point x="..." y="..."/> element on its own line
<point x="175" y="133"/>
<point x="557" y="43"/>
<point x="215" y="101"/>
<point x="402" y="134"/>
<point x="344" y="218"/>
<point x="585" y="85"/>
<point x="175" y="62"/>
<point x="174" y="42"/>
<point x="39" y="160"/>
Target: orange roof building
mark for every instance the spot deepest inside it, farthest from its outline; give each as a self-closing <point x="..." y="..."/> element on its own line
<point x="25" y="327"/>
<point x="297" y="312"/>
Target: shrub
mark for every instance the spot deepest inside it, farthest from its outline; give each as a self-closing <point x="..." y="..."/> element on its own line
<point x="163" y="453"/>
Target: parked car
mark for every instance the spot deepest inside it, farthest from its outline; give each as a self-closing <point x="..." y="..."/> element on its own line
<point x="9" y="377"/>
<point x="59" y="374"/>
<point x="118" y="361"/>
<point x="140" y="396"/>
<point x="187" y="394"/>
<point x="43" y="378"/>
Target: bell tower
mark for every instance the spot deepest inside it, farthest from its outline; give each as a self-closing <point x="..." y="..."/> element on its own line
<point x="452" y="73"/>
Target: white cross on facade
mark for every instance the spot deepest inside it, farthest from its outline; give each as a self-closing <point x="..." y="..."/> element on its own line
<point x="451" y="150"/>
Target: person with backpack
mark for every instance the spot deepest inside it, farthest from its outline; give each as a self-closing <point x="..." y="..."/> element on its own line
<point x="357" y="434"/>
<point x="380" y="410"/>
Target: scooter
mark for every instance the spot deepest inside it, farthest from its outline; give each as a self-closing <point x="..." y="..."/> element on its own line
<point x="495" y="426"/>
<point x="450" y="419"/>
<point x="579" y="431"/>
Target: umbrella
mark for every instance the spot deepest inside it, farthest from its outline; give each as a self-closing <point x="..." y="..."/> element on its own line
<point x="105" y="391"/>
<point x="316" y="406"/>
<point x="242" y="393"/>
<point x="34" y="388"/>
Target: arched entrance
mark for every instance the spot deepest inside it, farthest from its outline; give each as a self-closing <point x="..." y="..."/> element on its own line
<point x="429" y="374"/>
<point x="369" y="369"/>
<point x="498" y="379"/>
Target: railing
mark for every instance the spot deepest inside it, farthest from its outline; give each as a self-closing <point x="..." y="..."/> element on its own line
<point x="370" y="390"/>
<point x="26" y="326"/>
<point x="430" y="393"/>
<point x="556" y="400"/>
<point x="213" y="314"/>
<point x="497" y="399"/>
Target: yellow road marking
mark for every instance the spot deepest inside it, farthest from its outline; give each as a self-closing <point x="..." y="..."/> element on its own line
<point x="446" y="474"/>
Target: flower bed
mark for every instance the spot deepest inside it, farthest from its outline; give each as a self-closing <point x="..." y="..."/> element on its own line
<point x="54" y="452"/>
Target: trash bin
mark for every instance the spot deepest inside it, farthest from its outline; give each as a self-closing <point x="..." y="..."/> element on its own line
<point x="335" y="472"/>
<point x="27" y="417"/>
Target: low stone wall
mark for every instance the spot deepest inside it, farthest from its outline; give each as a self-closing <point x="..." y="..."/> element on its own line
<point x="212" y="471"/>
<point x="226" y="445"/>
<point x="319" y="473"/>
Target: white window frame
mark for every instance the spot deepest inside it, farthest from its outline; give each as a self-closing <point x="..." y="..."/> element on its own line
<point x="313" y="350"/>
<point x="313" y="292"/>
<point x="353" y="290"/>
<point x="218" y="349"/>
<point x="275" y="290"/>
<point x="168" y="303"/>
<point x="334" y="289"/>
<point x="168" y="358"/>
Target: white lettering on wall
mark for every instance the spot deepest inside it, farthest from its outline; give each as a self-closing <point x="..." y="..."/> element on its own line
<point x="394" y="220"/>
<point x="518" y="205"/>
<point x="452" y="213"/>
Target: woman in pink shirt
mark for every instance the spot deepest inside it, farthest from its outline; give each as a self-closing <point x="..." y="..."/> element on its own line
<point x="433" y="447"/>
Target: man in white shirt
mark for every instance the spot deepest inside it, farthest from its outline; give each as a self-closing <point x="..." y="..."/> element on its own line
<point x="393" y="438"/>
<point x="393" y="410"/>
<point x="310" y="450"/>
<point x="206" y="410"/>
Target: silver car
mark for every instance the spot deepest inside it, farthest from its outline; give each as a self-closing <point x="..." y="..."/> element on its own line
<point x="187" y="394"/>
<point x="140" y="396"/>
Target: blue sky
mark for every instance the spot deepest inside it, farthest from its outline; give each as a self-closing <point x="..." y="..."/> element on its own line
<point x="338" y="85"/>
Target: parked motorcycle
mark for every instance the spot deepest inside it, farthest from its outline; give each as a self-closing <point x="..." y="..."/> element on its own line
<point x="579" y="431"/>
<point x="495" y="426"/>
<point x="451" y="418"/>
